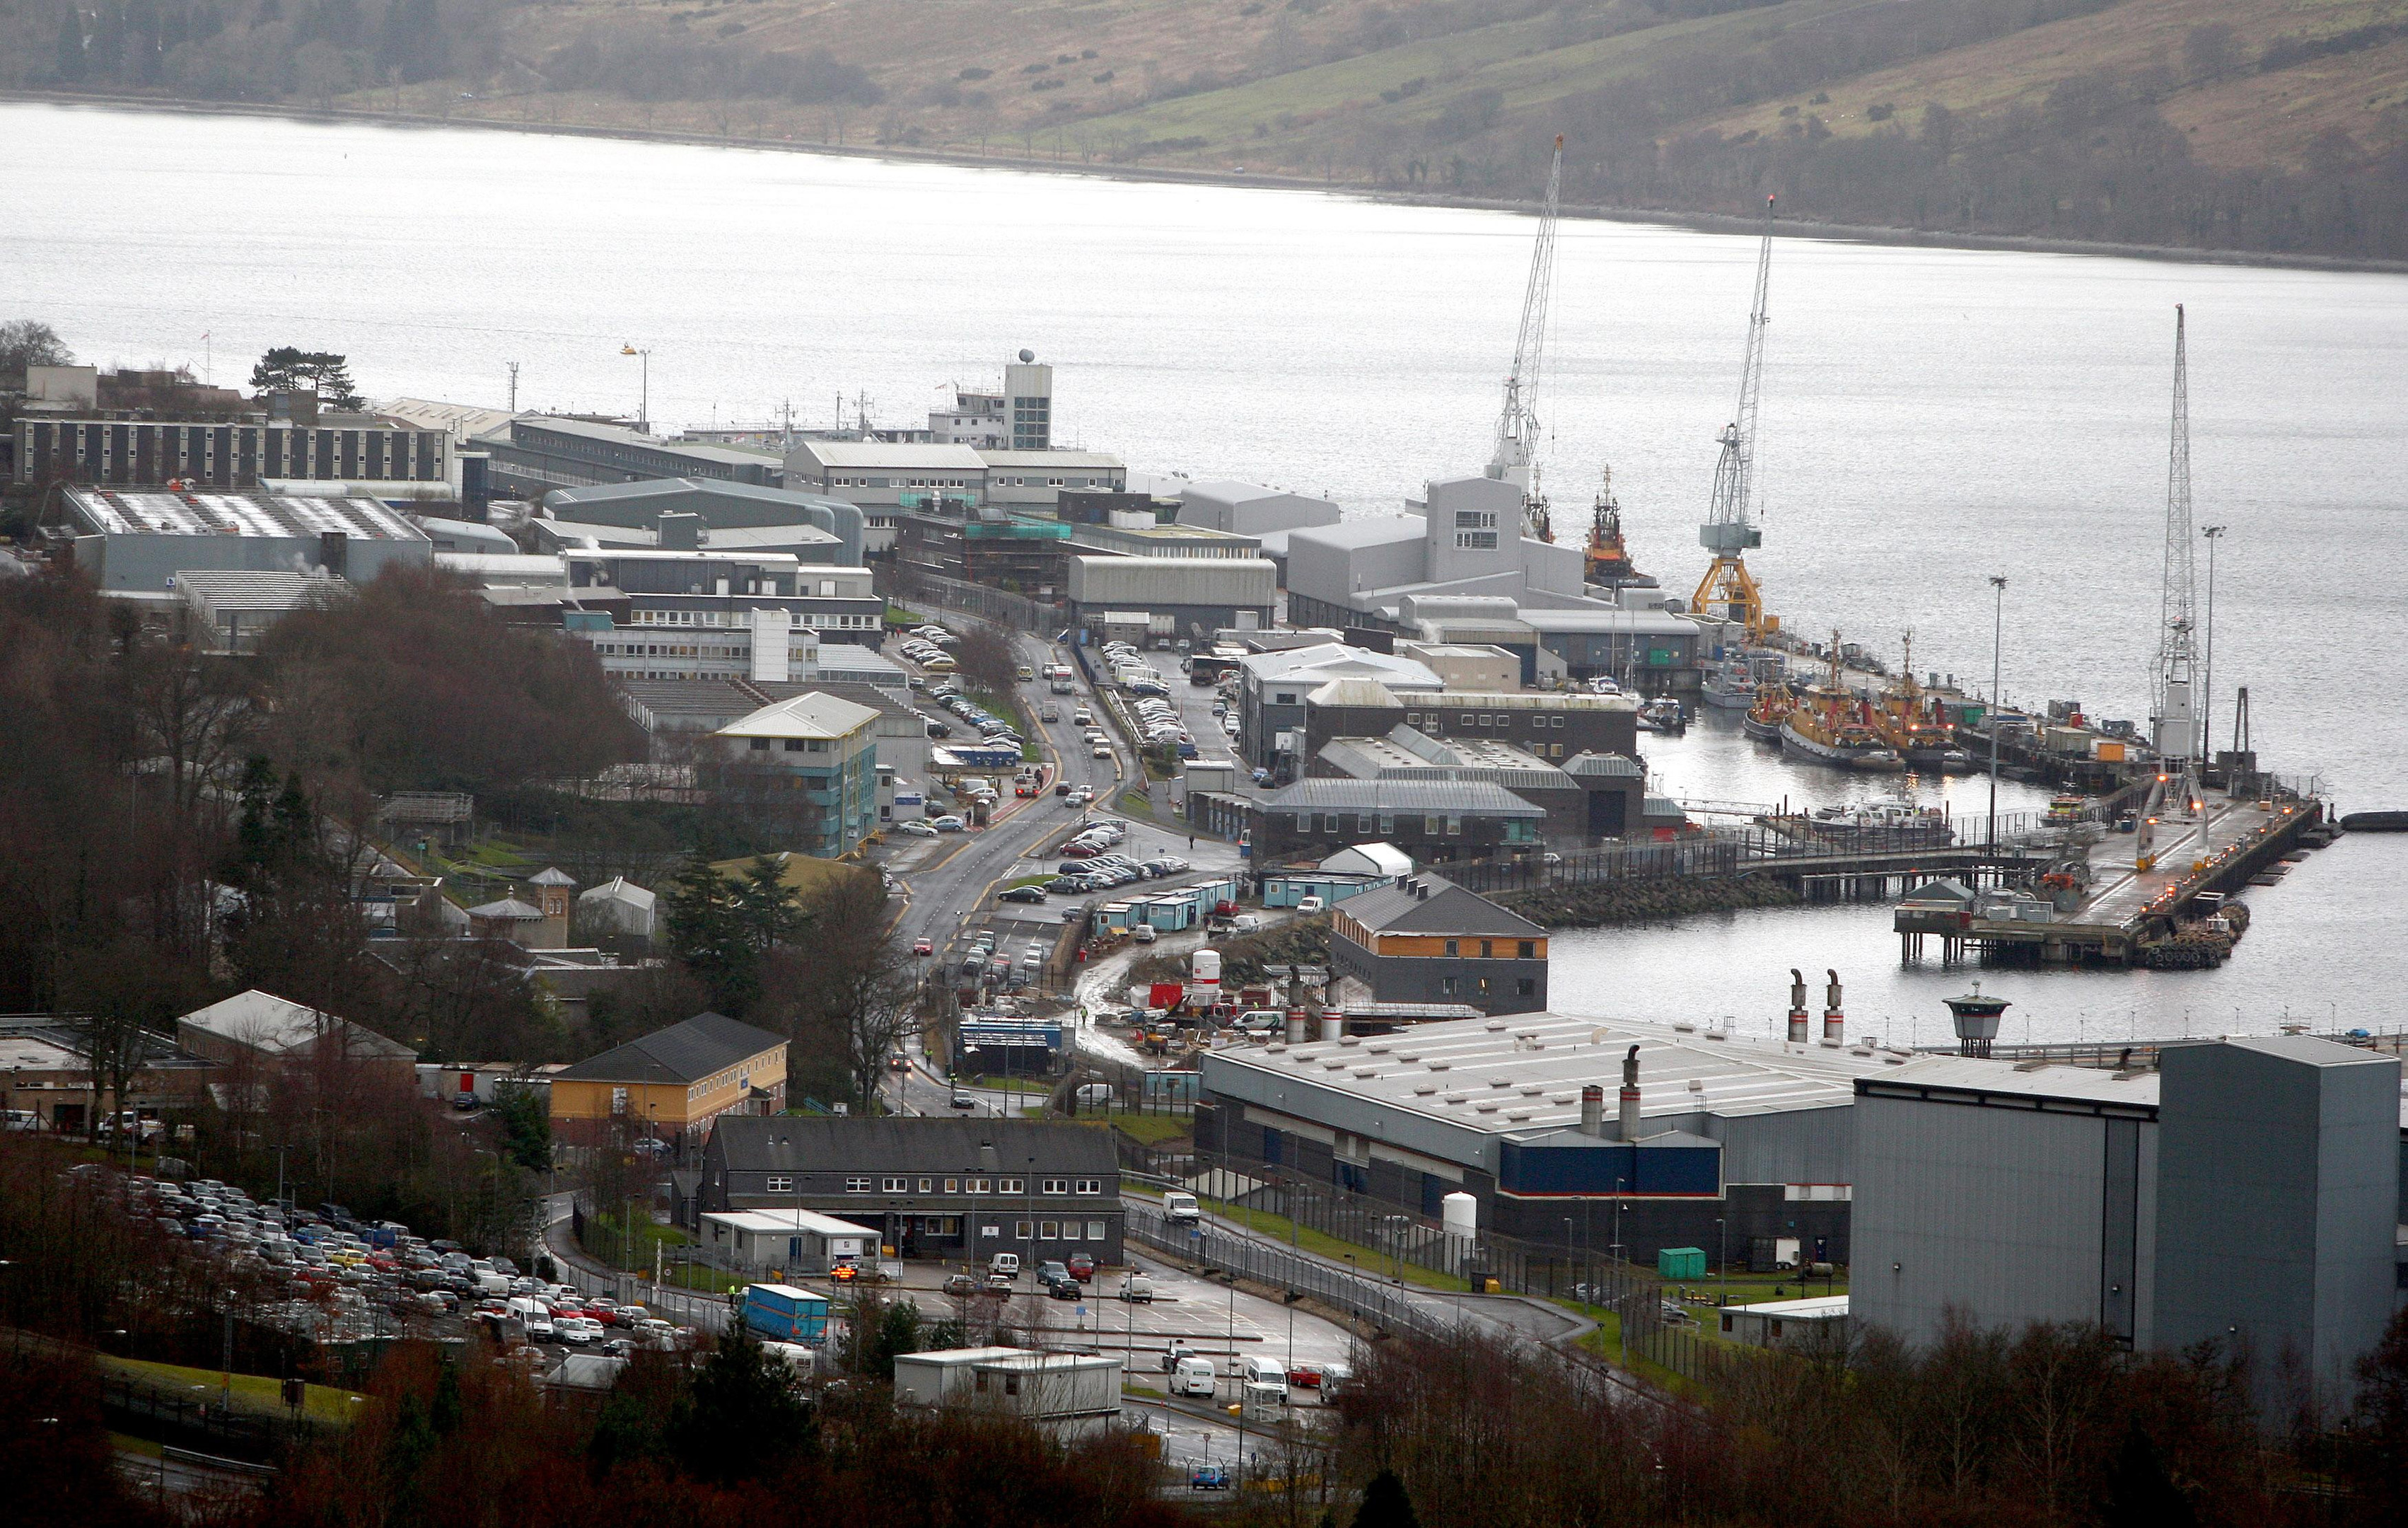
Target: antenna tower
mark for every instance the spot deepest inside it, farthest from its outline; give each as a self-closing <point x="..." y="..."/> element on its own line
<point x="1728" y="589"/>
<point x="1517" y="428"/>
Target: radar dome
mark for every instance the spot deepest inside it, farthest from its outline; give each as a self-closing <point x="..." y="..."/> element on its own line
<point x="1026" y="356"/>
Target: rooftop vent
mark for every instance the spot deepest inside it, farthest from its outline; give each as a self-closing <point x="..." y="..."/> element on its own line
<point x="1440" y="1066"/>
<point x="1423" y="1089"/>
<point x="1349" y="1039"/>
<point x="1493" y="1025"/>
<point x="1684" y="1027"/>
<point x="1366" y="1071"/>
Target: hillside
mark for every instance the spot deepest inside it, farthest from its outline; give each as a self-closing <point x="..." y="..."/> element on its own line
<point x="2261" y="126"/>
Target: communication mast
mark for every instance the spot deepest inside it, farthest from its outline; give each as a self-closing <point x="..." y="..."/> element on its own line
<point x="2173" y="725"/>
<point x="1517" y="429"/>
<point x="1728" y="589"/>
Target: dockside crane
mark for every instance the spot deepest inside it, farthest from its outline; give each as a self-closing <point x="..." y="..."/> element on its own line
<point x="1728" y="589"/>
<point x="2173" y="722"/>
<point x="1518" y="429"/>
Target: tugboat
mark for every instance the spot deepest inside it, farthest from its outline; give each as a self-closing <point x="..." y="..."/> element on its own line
<point x="1832" y="725"/>
<point x="1911" y="723"/>
<point x="1764" y="719"/>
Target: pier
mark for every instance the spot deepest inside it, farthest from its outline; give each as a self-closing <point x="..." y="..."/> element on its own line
<point x="2166" y="913"/>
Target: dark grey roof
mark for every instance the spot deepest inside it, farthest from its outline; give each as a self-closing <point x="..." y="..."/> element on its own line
<point x="686" y="1053"/>
<point x="1470" y="798"/>
<point x="1449" y="909"/>
<point x="806" y="1143"/>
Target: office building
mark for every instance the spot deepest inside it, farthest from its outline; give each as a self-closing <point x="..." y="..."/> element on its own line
<point x="672" y="1082"/>
<point x="1427" y="940"/>
<point x="706" y="614"/>
<point x="814" y="754"/>
<point x="1435" y="821"/>
<point x="1023" y="554"/>
<point x="1272" y="687"/>
<point x="1266" y="514"/>
<point x="1016" y="416"/>
<point x="1552" y="725"/>
<point x="954" y="1190"/>
<point x="1196" y="596"/>
<point x="135" y="541"/>
<point x="233" y="452"/>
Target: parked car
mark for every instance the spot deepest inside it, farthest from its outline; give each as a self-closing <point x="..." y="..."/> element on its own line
<point x="961" y="1284"/>
<point x="1210" y="1478"/>
<point x="1081" y="1267"/>
<point x="914" y="827"/>
<point x="948" y="824"/>
<point x="1021" y="894"/>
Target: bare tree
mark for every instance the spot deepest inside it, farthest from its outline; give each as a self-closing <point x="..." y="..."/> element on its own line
<point x="852" y="986"/>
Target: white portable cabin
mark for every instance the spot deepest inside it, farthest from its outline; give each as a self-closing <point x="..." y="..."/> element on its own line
<point x="1072" y="1393"/>
<point x="799" y="1242"/>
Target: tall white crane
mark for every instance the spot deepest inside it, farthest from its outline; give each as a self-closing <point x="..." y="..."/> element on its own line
<point x="1516" y="457"/>
<point x="1728" y="589"/>
<point x="2174" y="719"/>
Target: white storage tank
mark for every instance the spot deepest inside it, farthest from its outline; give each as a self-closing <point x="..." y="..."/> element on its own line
<point x="1207" y="967"/>
<point x="1462" y="1213"/>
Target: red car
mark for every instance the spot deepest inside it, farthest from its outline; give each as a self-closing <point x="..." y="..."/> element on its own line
<point x="924" y="947"/>
<point x="1082" y="1267"/>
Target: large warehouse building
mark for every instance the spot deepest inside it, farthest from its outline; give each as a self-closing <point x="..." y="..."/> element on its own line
<point x="136" y="540"/>
<point x="2247" y="1192"/>
<point x="1753" y="1132"/>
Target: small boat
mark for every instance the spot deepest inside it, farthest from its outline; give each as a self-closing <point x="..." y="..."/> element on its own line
<point x="1663" y="714"/>
<point x="1731" y="687"/>
<point x="1898" y="822"/>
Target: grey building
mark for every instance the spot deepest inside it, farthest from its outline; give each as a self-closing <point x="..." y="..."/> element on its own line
<point x="1427" y="940"/>
<point x="224" y="453"/>
<point x="1593" y="805"/>
<point x="1199" y="596"/>
<point x="1466" y="539"/>
<point x="136" y="540"/>
<point x="1272" y="686"/>
<point x="708" y="614"/>
<point x="532" y="455"/>
<point x="1249" y="509"/>
<point x="1730" y="1137"/>
<point x="731" y="516"/>
<point x="954" y="1189"/>
<point x="1433" y="820"/>
<point x="2247" y="1192"/>
<point x="1645" y="650"/>
<point x="1552" y="725"/>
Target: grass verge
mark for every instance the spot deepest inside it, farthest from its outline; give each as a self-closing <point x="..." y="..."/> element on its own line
<point x="1367" y="1259"/>
<point x="257" y="1393"/>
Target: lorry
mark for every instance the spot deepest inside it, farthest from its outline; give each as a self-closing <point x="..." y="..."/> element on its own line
<point x="782" y="1313"/>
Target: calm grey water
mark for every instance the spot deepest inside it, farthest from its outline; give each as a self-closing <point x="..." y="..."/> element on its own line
<point x="1930" y="417"/>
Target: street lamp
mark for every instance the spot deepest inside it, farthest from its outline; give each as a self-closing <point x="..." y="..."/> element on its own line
<point x="643" y="408"/>
<point x="1998" y="650"/>
<point x="2207" y="686"/>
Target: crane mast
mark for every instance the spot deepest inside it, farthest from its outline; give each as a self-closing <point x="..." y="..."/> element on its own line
<point x="2174" y="720"/>
<point x="1728" y="588"/>
<point x="1517" y="429"/>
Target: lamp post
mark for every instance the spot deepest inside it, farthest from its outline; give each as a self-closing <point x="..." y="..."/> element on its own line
<point x="644" y="407"/>
<point x="1998" y="650"/>
<point x="2207" y="686"/>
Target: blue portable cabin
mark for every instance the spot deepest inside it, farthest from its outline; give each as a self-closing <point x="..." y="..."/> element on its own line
<point x="782" y="1313"/>
<point x="1288" y="887"/>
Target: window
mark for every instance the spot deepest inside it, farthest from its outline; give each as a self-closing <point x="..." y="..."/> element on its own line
<point x="896" y="1186"/>
<point x="1453" y="824"/>
<point x="856" y="1186"/>
<point x="617" y="1100"/>
<point x="926" y="1183"/>
<point x="1446" y="986"/>
<point x="777" y="1185"/>
<point x="1527" y="950"/>
<point x="1095" y="1230"/>
<point x="1009" y="1186"/>
<point x="1023" y="1230"/>
<point x="1387" y="822"/>
<point x="1049" y="1231"/>
<point x="1058" y="1185"/>
<point x="952" y="1186"/>
<point x="1432" y="827"/>
<point x="1090" y="1186"/>
<point x="1362" y="823"/>
<point x="1527" y="987"/>
<point x="794" y="745"/>
<point x="977" y="1186"/>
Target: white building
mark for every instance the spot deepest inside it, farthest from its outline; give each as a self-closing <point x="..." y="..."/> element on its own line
<point x="622" y="905"/>
<point x="793" y="1243"/>
<point x="1466" y="539"/>
<point x="1067" y="1393"/>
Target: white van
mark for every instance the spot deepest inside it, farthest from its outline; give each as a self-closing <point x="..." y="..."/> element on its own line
<point x="1180" y="1209"/>
<point x="1195" y="1377"/>
<point x="1260" y="1370"/>
<point x="1006" y="1263"/>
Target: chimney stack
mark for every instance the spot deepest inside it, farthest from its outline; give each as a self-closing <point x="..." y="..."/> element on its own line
<point x="1835" y="1022"/>
<point x="1593" y="1110"/>
<point x="1630" y="1095"/>
<point x="1333" y="1024"/>
<point x="1797" y="1007"/>
<point x="1295" y="1025"/>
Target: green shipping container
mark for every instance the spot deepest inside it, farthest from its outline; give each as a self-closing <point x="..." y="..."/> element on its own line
<point x="1679" y="1262"/>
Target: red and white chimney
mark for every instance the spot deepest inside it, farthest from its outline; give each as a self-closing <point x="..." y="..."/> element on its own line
<point x="1835" y="1021"/>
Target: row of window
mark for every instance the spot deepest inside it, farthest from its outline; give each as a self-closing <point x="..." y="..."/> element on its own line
<point x="1524" y="949"/>
<point x="779" y="1184"/>
<point x="1433" y="826"/>
<point x="1539" y="721"/>
<point x="1451" y="987"/>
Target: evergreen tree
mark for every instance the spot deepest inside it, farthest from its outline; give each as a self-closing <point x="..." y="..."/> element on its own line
<point x="739" y="1417"/>
<point x="287" y="368"/>
<point x="1386" y="1504"/>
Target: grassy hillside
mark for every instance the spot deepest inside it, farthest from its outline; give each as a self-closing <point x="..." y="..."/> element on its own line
<point x="2253" y="124"/>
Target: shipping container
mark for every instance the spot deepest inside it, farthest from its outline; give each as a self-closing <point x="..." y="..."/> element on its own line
<point x="785" y="1314"/>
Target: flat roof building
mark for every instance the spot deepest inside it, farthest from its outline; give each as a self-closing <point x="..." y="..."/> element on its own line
<point x="535" y="454"/>
<point x="136" y="540"/>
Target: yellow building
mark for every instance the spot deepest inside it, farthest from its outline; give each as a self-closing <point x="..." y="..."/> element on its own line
<point x="672" y="1082"/>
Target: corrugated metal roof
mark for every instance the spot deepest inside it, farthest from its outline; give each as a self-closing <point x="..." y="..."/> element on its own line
<point x="160" y="512"/>
<point x="754" y="1143"/>
<point x="228" y="592"/>
<point x="1142" y="582"/>
<point x="813" y="713"/>
<point x="1466" y="797"/>
<point x="873" y="454"/>
<point x="1447" y="909"/>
